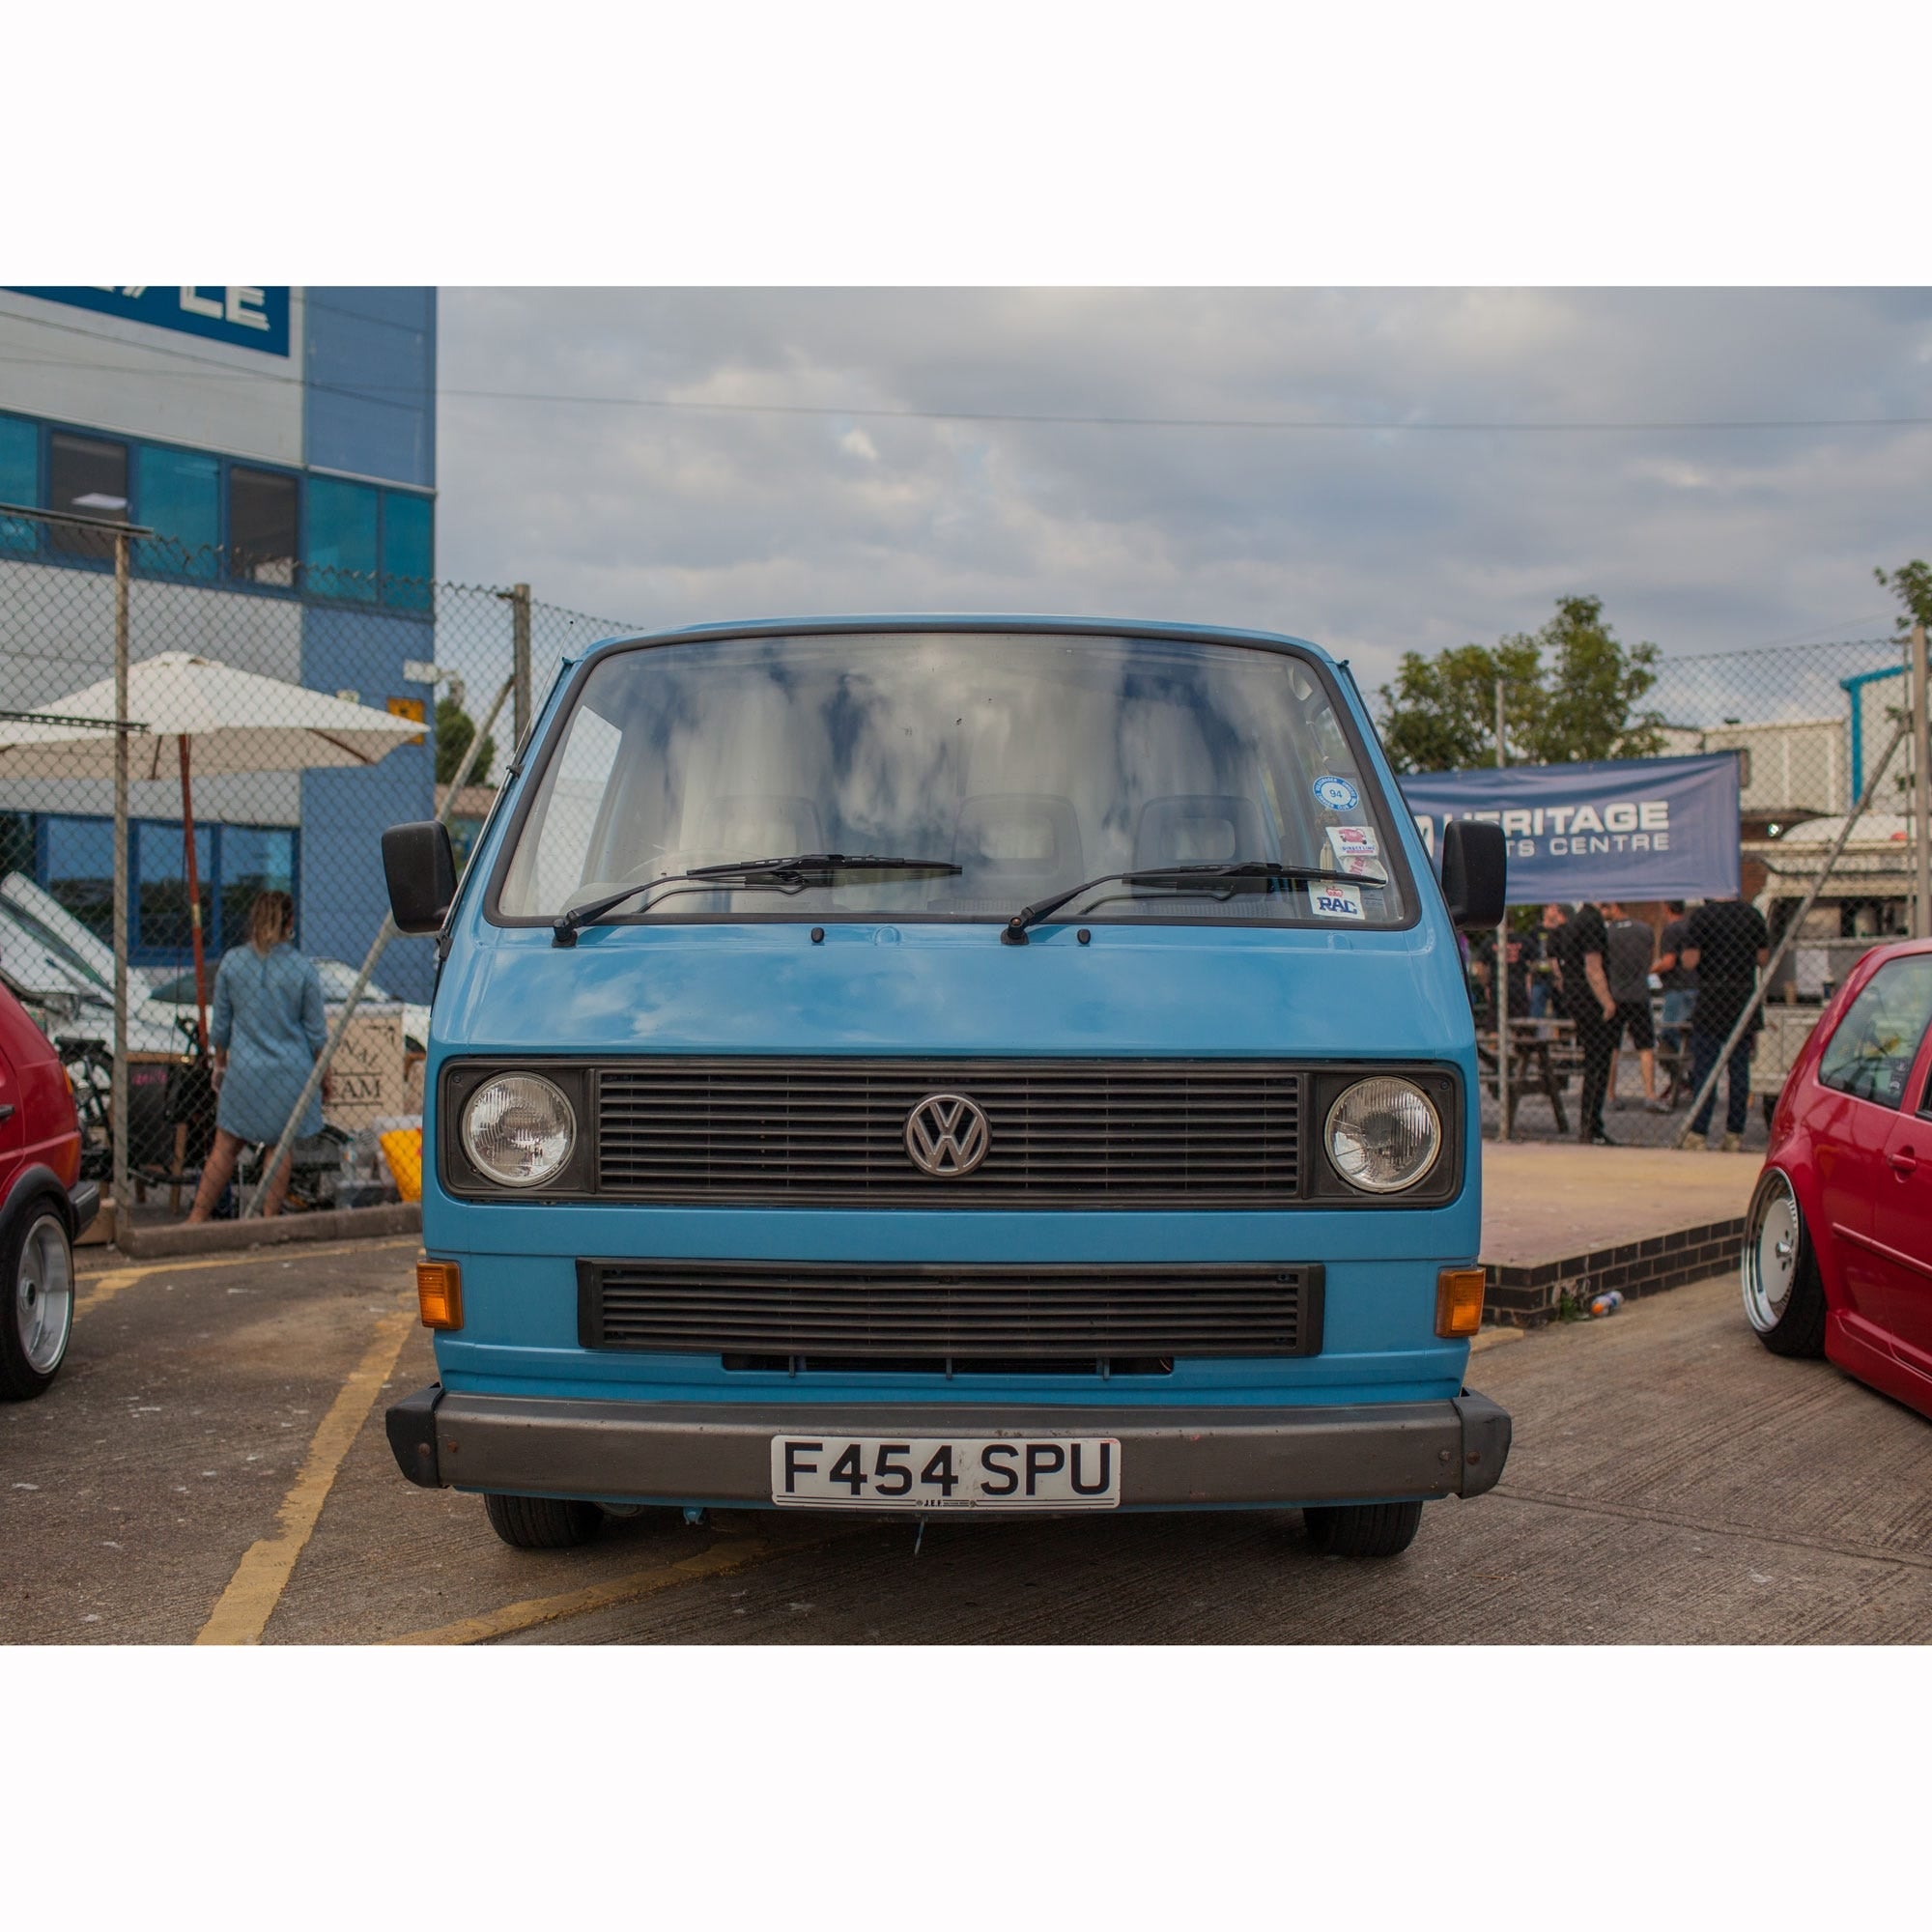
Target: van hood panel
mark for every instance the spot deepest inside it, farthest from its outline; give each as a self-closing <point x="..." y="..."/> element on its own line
<point x="912" y="989"/>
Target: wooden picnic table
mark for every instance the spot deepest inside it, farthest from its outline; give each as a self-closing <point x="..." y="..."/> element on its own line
<point x="1542" y="1055"/>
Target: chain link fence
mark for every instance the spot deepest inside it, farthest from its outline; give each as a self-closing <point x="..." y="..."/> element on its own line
<point x="288" y="724"/>
<point x="1673" y="1024"/>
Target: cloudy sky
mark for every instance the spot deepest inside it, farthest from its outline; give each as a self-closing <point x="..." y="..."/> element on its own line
<point x="1370" y="539"/>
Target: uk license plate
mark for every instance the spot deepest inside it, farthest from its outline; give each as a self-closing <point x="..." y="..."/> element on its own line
<point x="1004" y="1472"/>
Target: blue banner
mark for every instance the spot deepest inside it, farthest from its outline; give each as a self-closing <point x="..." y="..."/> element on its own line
<point x="247" y="318"/>
<point x="1622" y="829"/>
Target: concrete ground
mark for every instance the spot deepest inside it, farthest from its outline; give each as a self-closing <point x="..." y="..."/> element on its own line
<point x="212" y="1464"/>
<point x="1543" y="1200"/>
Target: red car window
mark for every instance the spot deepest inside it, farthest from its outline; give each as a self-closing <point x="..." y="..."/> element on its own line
<point x="1871" y="1050"/>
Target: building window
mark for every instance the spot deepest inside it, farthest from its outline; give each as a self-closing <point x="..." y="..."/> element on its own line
<point x="180" y="494"/>
<point x="20" y="482"/>
<point x="341" y="553"/>
<point x="254" y="859"/>
<point x="233" y="863"/>
<point x="89" y="475"/>
<point x="162" y="925"/>
<point x="406" y="551"/>
<point x="79" y="870"/>
<point x="262" y="535"/>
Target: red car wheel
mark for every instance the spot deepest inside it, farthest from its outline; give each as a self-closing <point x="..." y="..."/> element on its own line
<point x="33" y="1339"/>
<point x="1784" y="1300"/>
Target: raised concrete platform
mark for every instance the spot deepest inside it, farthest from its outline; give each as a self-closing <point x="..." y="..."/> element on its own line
<point x="1574" y="1221"/>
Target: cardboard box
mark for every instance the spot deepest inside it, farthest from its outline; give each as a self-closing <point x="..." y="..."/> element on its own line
<point x="368" y="1072"/>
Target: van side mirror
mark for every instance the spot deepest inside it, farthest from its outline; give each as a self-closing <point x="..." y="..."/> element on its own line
<point x="1475" y="873"/>
<point x="421" y="871"/>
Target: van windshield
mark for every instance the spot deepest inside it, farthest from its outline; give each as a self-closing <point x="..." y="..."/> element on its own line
<point x="1031" y="761"/>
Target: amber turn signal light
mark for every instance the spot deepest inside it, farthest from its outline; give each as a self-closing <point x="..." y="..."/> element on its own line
<point x="440" y="1293"/>
<point x="1459" y="1301"/>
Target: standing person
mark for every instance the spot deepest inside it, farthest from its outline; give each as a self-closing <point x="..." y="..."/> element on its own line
<point x="1724" y="943"/>
<point x="1632" y="943"/>
<point x="1581" y="942"/>
<point x="267" y="1030"/>
<point x="1539" y="964"/>
<point x="1516" y="957"/>
<point x="1679" y="980"/>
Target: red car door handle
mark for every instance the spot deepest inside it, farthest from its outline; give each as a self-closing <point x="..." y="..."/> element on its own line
<point x="1903" y="1162"/>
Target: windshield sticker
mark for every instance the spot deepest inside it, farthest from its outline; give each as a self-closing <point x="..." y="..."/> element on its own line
<point x="1336" y="902"/>
<point x="1361" y="868"/>
<point x="1336" y="793"/>
<point x="1354" y="841"/>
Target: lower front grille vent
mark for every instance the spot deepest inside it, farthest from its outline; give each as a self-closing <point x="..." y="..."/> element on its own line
<point x="834" y="1311"/>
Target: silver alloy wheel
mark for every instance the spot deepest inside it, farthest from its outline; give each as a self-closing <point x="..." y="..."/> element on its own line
<point x="44" y="1295"/>
<point x="1771" y="1242"/>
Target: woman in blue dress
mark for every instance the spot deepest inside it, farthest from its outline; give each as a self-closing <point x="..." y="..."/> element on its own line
<point x="268" y="1031"/>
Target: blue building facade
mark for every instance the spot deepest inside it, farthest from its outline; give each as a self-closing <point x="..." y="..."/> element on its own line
<point x="281" y="444"/>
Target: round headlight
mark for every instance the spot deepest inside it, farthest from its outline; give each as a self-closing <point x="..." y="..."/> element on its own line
<point x="519" y="1130"/>
<point x="1384" y="1134"/>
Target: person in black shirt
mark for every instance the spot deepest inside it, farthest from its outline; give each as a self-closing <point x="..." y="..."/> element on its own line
<point x="1678" y="980"/>
<point x="1581" y="942"/>
<point x="1631" y="945"/>
<point x="1724" y="944"/>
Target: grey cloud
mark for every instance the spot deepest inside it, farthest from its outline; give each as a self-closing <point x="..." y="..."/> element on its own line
<point x="1372" y="543"/>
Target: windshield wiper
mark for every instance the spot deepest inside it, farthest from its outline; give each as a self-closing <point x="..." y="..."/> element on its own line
<point x="1177" y="878"/>
<point x="787" y="875"/>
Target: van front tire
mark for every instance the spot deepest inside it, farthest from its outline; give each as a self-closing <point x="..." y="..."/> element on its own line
<point x="542" y="1523"/>
<point x="1363" y="1529"/>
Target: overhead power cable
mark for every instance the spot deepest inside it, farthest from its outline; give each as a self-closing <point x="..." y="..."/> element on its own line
<point x="208" y="368"/>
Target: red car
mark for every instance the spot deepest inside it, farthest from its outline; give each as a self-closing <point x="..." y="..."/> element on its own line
<point x="1839" y="1245"/>
<point x="44" y="1204"/>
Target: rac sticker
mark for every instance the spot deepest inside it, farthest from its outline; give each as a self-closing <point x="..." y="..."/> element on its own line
<point x="1336" y="793"/>
<point x="1336" y="902"/>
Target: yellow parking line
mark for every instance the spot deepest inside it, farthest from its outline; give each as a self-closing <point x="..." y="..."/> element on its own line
<point x="720" y="1561"/>
<point x="103" y="1288"/>
<point x="249" y="1600"/>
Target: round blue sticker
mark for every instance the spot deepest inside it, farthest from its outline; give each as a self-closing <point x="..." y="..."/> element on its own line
<point x="1337" y="794"/>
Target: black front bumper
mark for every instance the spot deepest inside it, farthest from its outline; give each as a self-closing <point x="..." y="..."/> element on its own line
<point x="1170" y="1458"/>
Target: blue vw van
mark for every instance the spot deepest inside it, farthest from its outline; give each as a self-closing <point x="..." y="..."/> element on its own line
<point x="950" y="1062"/>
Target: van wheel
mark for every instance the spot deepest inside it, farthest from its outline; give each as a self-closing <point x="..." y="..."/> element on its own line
<point x="542" y="1523"/>
<point x="37" y="1265"/>
<point x="1363" y="1529"/>
<point x="1784" y="1300"/>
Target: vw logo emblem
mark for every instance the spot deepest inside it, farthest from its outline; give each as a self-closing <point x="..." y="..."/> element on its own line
<point x="947" y="1135"/>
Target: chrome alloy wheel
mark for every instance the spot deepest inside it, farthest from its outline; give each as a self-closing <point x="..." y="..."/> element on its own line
<point x="1772" y="1239"/>
<point x="44" y="1295"/>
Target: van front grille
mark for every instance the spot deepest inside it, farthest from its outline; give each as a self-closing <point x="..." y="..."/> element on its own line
<point x="939" y="1314"/>
<point x="1060" y="1132"/>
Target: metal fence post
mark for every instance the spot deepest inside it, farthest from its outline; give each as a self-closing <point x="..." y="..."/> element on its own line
<point x="520" y="662"/>
<point x="123" y="1193"/>
<point x="1502" y="995"/>
<point x="1921" y="792"/>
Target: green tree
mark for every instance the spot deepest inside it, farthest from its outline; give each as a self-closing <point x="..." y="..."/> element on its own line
<point x="1571" y="691"/>
<point x="1440" y="715"/>
<point x="454" y="729"/>
<point x="1911" y="585"/>
<point x="1591" y="688"/>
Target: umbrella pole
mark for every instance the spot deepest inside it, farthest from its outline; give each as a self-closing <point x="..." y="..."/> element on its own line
<point x="193" y="901"/>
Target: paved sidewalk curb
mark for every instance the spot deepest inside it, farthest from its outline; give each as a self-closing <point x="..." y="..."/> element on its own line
<point x="232" y="1236"/>
<point x="1529" y="1294"/>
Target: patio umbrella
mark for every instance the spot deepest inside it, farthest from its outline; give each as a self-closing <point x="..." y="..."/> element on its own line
<point x="234" y="720"/>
